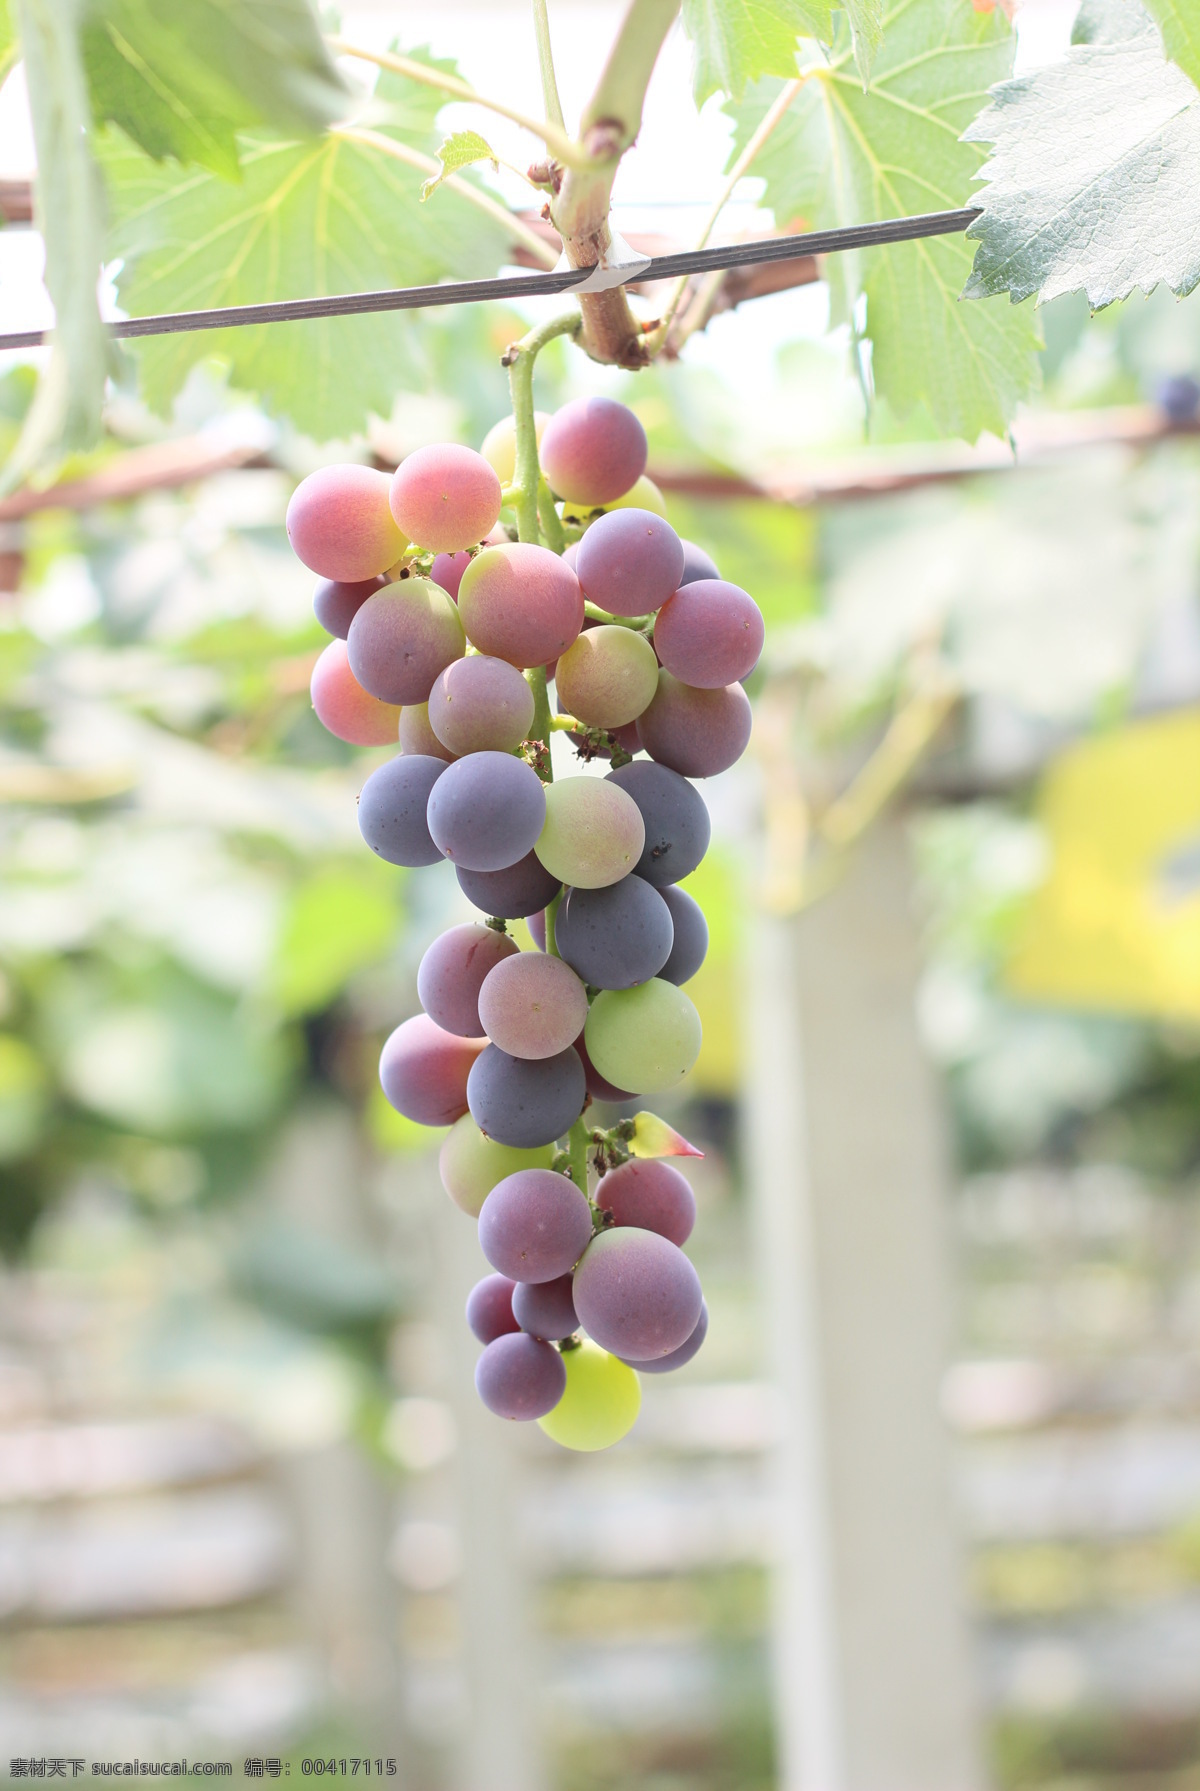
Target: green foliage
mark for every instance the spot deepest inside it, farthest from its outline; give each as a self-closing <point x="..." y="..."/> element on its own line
<point x="459" y="151"/>
<point x="845" y="156"/>
<point x="1092" y="177"/>
<point x="24" y="1097"/>
<point x="339" y="922"/>
<point x="182" y="80"/>
<point x="9" y="47"/>
<point x="737" y="41"/>
<point x="1179" y="21"/>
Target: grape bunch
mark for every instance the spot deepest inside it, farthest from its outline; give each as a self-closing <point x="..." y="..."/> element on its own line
<point x="448" y="635"/>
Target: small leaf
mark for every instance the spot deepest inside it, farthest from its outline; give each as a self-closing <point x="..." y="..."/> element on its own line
<point x="459" y="151"/>
<point x="736" y="41"/>
<point x="653" y="1137"/>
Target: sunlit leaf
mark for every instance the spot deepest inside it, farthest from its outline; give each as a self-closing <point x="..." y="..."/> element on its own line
<point x="335" y="925"/>
<point x="736" y="41"/>
<point x="459" y="151"/>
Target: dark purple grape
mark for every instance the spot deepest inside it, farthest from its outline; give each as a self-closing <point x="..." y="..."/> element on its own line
<point x="675" y="817"/>
<point x="691" y="937"/>
<point x="709" y="634"/>
<point x="336" y="605"/>
<point x="545" y="1308"/>
<point x="516" y="1100"/>
<point x="685" y="1352"/>
<point x="697" y="564"/>
<point x="651" y="1195"/>
<point x="534" y="1225"/>
<point x="490" y="1309"/>
<point x="637" y="1294"/>
<point x="696" y="732"/>
<point x="537" y="928"/>
<point x="520" y="1377"/>
<point x="451" y="974"/>
<point x="616" y="937"/>
<point x="392" y="807"/>
<point x="402" y="637"/>
<point x="1179" y="397"/>
<point x="514" y="893"/>
<point x="486" y="811"/>
<point x="424" y="1071"/>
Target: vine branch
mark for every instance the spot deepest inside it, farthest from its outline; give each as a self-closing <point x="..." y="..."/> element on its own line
<point x="541" y="26"/>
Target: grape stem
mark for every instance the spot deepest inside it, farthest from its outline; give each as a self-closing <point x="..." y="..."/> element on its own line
<point x="577" y="1152"/>
<point x="519" y="358"/>
<point x="553" y="105"/>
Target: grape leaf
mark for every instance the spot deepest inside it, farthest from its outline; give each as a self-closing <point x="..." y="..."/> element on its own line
<point x="9" y="47"/>
<point x="1179" y="21"/>
<point x="182" y="79"/>
<point x="842" y="155"/>
<point x="737" y="41"/>
<point x="459" y="151"/>
<point x="1091" y="184"/>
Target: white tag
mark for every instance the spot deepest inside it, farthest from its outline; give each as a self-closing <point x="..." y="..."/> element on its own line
<point x="615" y="268"/>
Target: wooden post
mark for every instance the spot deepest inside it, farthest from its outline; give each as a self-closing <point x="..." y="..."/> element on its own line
<point x="873" y="1685"/>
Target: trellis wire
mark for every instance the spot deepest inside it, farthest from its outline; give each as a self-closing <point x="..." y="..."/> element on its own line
<point x="515" y="286"/>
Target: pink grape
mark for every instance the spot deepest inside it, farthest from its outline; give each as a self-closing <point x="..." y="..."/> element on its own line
<point x="545" y="1308"/>
<point x="339" y="523"/>
<point x="445" y="497"/>
<point x="695" y="732"/>
<point x="593" y="450"/>
<point x="532" y="1006"/>
<point x="336" y="605"/>
<point x="651" y="1195"/>
<point x="481" y="704"/>
<point x="520" y="1377"/>
<point x="489" y="1308"/>
<point x="630" y="562"/>
<point x="424" y="1071"/>
<point x="678" y="1357"/>
<point x="454" y="969"/>
<point x="447" y="571"/>
<point x="535" y="1225"/>
<point x="344" y="707"/>
<point x="520" y="603"/>
<point x="402" y="637"/>
<point x="637" y="1294"/>
<point x="709" y="634"/>
<point x="416" y="735"/>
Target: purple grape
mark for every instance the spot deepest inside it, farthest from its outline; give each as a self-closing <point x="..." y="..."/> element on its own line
<point x="636" y="1293"/>
<point x="520" y="1377"/>
<point x="533" y="1006"/>
<point x="593" y="451"/>
<point x="537" y="928"/>
<point x="514" y="893"/>
<point x="696" y="732"/>
<point x="336" y="605"/>
<point x="486" y="811"/>
<point x="650" y="1195"/>
<point x="452" y="972"/>
<point x="615" y="937"/>
<point x="402" y="637"/>
<point x="697" y="564"/>
<point x="709" y="634"/>
<point x="416" y="735"/>
<point x="517" y="1101"/>
<point x="424" y="1071"/>
<point x="448" y="568"/>
<point x="545" y="1308"/>
<point x="675" y="816"/>
<point x="1179" y="396"/>
<point x="630" y="562"/>
<point x="535" y="1225"/>
<point x="685" y="1352"/>
<point x="490" y="1309"/>
<point x="392" y="806"/>
<point x="691" y="937"/>
<point x="480" y="705"/>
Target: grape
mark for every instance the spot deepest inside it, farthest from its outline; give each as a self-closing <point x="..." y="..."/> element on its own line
<point x="487" y="810"/>
<point x="537" y="928"/>
<point x="520" y="603"/>
<point x="470" y="1165"/>
<point x="513" y="893"/>
<point x="685" y="1352"/>
<point x="499" y="445"/>
<point x="452" y="972"/>
<point x="480" y="704"/>
<point x="647" y="1038"/>
<point x="691" y="936"/>
<point x="597" y="1086"/>
<point x="339" y="523"/>
<point x="447" y="571"/>
<point x="651" y="1195"/>
<point x="344" y="707"/>
<point x="630" y="562"/>
<point x="607" y="677"/>
<point x="636" y="1293"/>
<point x="535" y="1225"/>
<point x="520" y="1377"/>
<point x="614" y="937"/>
<point x="675" y="818"/>
<point x="697" y="564"/>
<point x="593" y="450"/>
<point x="601" y="1403"/>
<point x="336" y="605"/>
<point x="424" y="1071"/>
<point x="402" y="637"/>
<point x="643" y="494"/>
<point x="525" y="1103"/>
<point x="532" y="1006"/>
<point x="392" y="805"/>
<point x="490" y="1309"/>
<point x="445" y="497"/>
<point x="592" y="835"/>
<point x="695" y="732"/>
<point x="709" y="634"/>
<point x="416" y="735"/>
<point x="546" y="1308"/>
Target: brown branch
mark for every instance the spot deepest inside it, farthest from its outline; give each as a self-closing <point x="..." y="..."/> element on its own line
<point x="159" y="466"/>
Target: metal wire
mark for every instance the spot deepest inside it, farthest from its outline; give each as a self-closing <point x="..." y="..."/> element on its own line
<point x="515" y="286"/>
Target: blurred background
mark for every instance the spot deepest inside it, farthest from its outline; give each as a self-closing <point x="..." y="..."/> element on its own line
<point x="926" y="1509"/>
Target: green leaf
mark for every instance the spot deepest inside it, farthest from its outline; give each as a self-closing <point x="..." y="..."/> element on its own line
<point x="9" y="46"/>
<point x="182" y="79"/>
<point x="336" y="924"/>
<point x="459" y="151"/>
<point x="1092" y="179"/>
<point x="845" y="156"/>
<point x="736" y="41"/>
<point x="1179" y="21"/>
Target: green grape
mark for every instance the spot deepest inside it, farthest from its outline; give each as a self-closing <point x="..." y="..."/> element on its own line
<point x="593" y="834"/>
<point x="645" y="1039"/>
<point x="601" y="1402"/>
<point x="470" y="1165"/>
<point x="606" y="677"/>
<point x="645" y="495"/>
